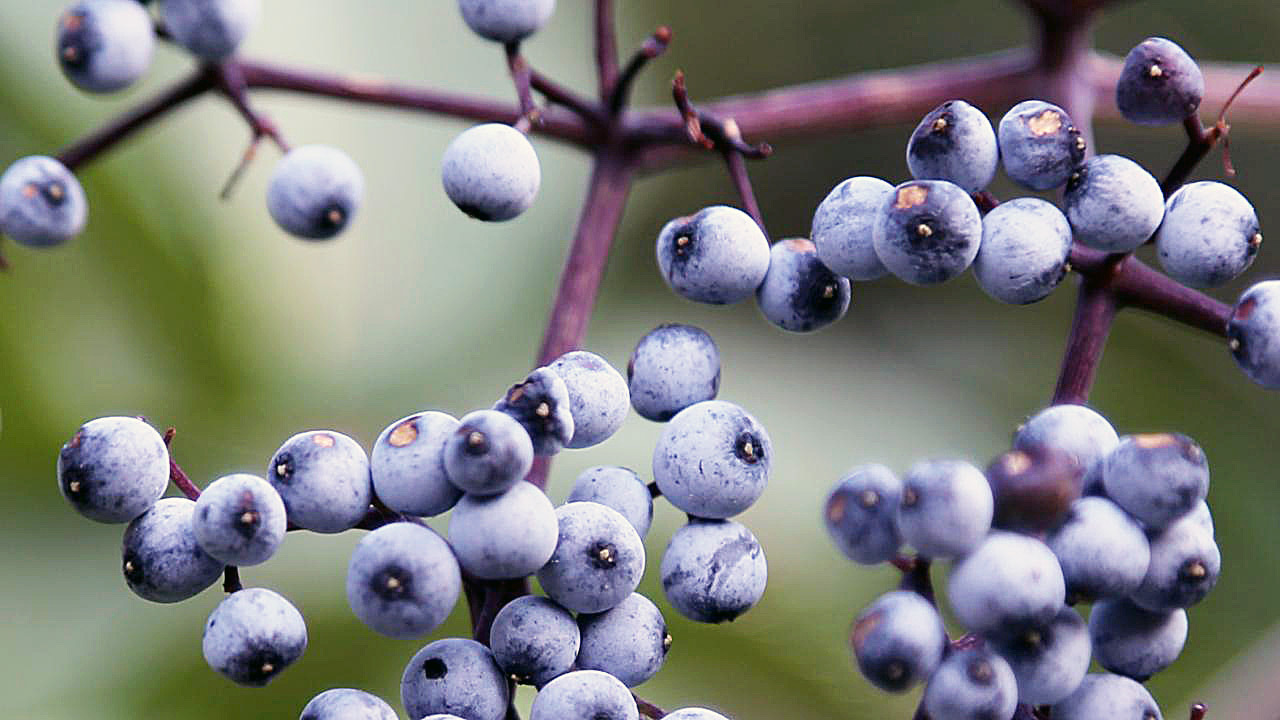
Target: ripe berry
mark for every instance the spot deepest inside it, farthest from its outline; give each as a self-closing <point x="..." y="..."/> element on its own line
<point x="971" y="684"/>
<point x="713" y="570"/>
<point x="861" y="514"/>
<point x="712" y="460"/>
<point x="541" y="405"/>
<point x="1103" y="695"/>
<point x="898" y="641"/>
<point x="506" y="21"/>
<point x="323" y="478"/>
<point x="1184" y="567"/>
<point x="1007" y="583"/>
<point x="491" y="172"/>
<point x="403" y="580"/>
<point x="618" y="488"/>
<point x="240" y="520"/>
<point x="1101" y="549"/>
<point x="1133" y="642"/>
<point x="598" y="559"/>
<point x="347" y="704"/>
<point x="488" y="453"/>
<point x="41" y="202"/>
<point x="210" y="29"/>
<point x="955" y="143"/>
<point x="456" y="676"/>
<point x="672" y="367"/>
<point x="799" y="293"/>
<point x="1254" y="333"/>
<point x="509" y="535"/>
<point x="598" y="397"/>
<point x="534" y="640"/>
<point x="253" y="635"/>
<point x="1023" y="255"/>
<point x="1033" y="489"/>
<point x="946" y="508"/>
<point x="315" y="190"/>
<point x="844" y="227"/>
<point x="1039" y="146"/>
<point x="584" y="694"/>
<point x="1076" y="430"/>
<point x="1159" y="84"/>
<point x="1156" y="478"/>
<point x="928" y="232"/>
<point x="628" y="641"/>
<point x="161" y="559"/>
<point x="105" y="45"/>
<point x="1049" y="659"/>
<point x="718" y="255"/>
<point x="113" y="469"/>
<point x="1210" y="234"/>
<point x="407" y="465"/>
<point x="1113" y="204"/>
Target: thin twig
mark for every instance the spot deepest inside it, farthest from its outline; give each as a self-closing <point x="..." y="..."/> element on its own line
<point x="1201" y="140"/>
<point x="520" y="75"/>
<point x="176" y="474"/>
<point x="232" y="84"/>
<point x="742" y="183"/>
<point x="606" y="48"/>
<point x="652" y="47"/>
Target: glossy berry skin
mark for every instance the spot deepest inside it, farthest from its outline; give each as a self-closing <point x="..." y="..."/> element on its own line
<point x="799" y="293"/>
<point x="1103" y="552"/>
<point x="510" y="535"/>
<point x="598" y="561"/>
<point x="712" y="460"/>
<point x="506" y="21"/>
<point x="1103" y="695"/>
<point x="491" y="172"/>
<point x="403" y="580"/>
<point x="1130" y="641"/>
<point x="1008" y="582"/>
<point x="253" y="635"/>
<point x="861" y="514"/>
<point x="1185" y="562"/>
<point x="629" y="641"/>
<point x="1210" y="234"/>
<point x="954" y="142"/>
<point x="347" y="704"/>
<point x="598" y="397"/>
<point x="713" y="570"/>
<point x="41" y="202"/>
<point x="541" y="405"/>
<point x="898" y="641"/>
<point x="323" y="478"/>
<point x="928" y="232"/>
<point x="584" y="694"/>
<point x="240" y="520"/>
<point x="618" y="488"/>
<point x="1113" y="204"/>
<point x="315" y="190"/>
<point x="1254" y="333"/>
<point x="672" y="367"/>
<point x="1156" y="478"/>
<point x="844" y="227"/>
<point x="1048" y="660"/>
<point x="113" y="469"/>
<point x="488" y="453"/>
<point x="534" y="640"/>
<point x="1039" y="145"/>
<point x="718" y="255"/>
<point x="1033" y="489"/>
<point x="1076" y="430"/>
<point x="161" y="559"/>
<point x="210" y="29"/>
<point x="457" y="676"/>
<point x="946" y="508"/>
<point x="407" y="465"/>
<point x="1159" y="84"/>
<point x="1023" y="256"/>
<point x="105" y="45"/>
<point x="971" y="684"/>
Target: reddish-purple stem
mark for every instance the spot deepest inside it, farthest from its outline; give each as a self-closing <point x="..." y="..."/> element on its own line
<point x="652" y="47"/>
<point x="742" y="183"/>
<point x="1095" y="311"/>
<point x="606" y="48"/>
<point x="648" y="709"/>
<point x="1199" y="711"/>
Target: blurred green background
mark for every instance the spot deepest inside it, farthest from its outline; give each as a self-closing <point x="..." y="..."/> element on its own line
<point x="200" y="314"/>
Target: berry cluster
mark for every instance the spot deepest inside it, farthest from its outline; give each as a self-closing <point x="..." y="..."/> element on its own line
<point x="583" y="645"/>
<point x="490" y="171"/>
<point x="1072" y="514"/>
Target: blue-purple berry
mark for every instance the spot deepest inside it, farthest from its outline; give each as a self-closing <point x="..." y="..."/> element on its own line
<point x="403" y="580"/>
<point x="1159" y="83"/>
<point x="456" y="676"/>
<point x="844" y="227"/>
<point x="105" y="45"/>
<point x="629" y="641"/>
<point x="598" y="397"/>
<point x="672" y="367"/>
<point x="954" y="142"/>
<point x="491" y="172"/>
<point x="504" y="536"/>
<point x="1184" y="567"/>
<point x="928" y="232"/>
<point x="1103" y="551"/>
<point x="712" y="460"/>
<point x="1156" y="478"/>
<point x="598" y="559"/>
<point x="861" y="514"/>
<point x="946" y="508"/>
<point x="971" y="684"/>
<point x="315" y="191"/>
<point x="41" y="202"/>
<point x="534" y="640"/>
<point x="253" y="635"/>
<point x="713" y="570"/>
<point x="1023" y="256"/>
<point x="210" y="29"/>
<point x="488" y="453"/>
<point x="506" y="21"/>
<point x="161" y="560"/>
<point x="1113" y="204"/>
<point x="718" y="255"/>
<point x="540" y="403"/>
<point x="407" y="465"/>
<point x="347" y="704"/>
<point x="898" y="641"/>
<point x="1103" y="695"/>
<point x="799" y="293"/>
<point x="323" y="478"/>
<point x="1007" y="583"/>
<point x="1133" y="642"/>
<point x="1039" y="145"/>
<point x="1049" y="660"/>
<point x="113" y="469"/>
<point x="1210" y="234"/>
<point x="618" y="488"/>
<point x="1253" y="333"/>
<point x="240" y="520"/>
<point x="584" y="694"/>
<point x="1079" y="431"/>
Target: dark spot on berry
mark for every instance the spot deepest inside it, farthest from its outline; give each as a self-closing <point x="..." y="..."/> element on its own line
<point x="283" y="467"/>
<point x="434" y="669"/>
<point x="391" y="583"/>
<point x="603" y="555"/>
<point x="747" y="448"/>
